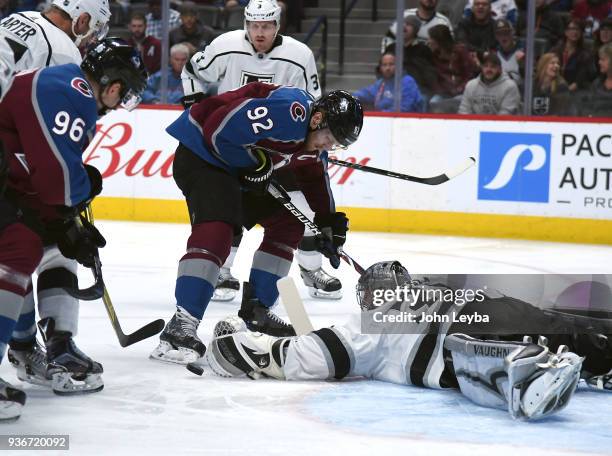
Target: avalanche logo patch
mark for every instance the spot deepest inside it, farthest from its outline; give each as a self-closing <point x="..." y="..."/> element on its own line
<point x="298" y="112"/>
<point x="81" y="85"/>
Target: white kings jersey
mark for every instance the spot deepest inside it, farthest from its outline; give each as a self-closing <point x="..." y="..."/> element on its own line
<point x="29" y="40"/>
<point x="232" y="60"/>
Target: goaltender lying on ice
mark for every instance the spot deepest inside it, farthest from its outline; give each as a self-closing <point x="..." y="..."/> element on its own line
<point x="494" y="363"/>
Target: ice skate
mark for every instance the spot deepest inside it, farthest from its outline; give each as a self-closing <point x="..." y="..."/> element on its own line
<point x="179" y="342"/>
<point x="227" y="286"/>
<point x="70" y="370"/>
<point x="260" y="318"/>
<point x="30" y="362"/>
<point x="320" y="284"/>
<point x="12" y="401"/>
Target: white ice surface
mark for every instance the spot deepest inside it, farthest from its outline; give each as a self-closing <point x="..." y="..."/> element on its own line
<point x="152" y="408"/>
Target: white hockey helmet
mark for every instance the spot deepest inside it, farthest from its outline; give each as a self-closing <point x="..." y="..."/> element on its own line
<point x="261" y="11"/>
<point x="99" y="13"/>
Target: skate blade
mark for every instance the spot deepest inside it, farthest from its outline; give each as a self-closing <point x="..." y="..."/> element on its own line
<point x="32" y="379"/>
<point x="10" y="411"/>
<point x="320" y="294"/>
<point x="64" y="384"/>
<point x="223" y="295"/>
<point x="166" y="353"/>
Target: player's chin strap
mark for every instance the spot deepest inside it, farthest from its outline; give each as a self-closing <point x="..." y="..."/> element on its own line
<point x="280" y="194"/>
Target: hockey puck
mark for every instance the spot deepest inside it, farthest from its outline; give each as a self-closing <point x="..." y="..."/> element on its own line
<point x="193" y="367"/>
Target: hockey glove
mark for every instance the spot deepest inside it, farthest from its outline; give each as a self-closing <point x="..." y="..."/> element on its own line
<point x="257" y="180"/>
<point x="189" y="100"/>
<point x="95" y="181"/>
<point x="78" y="239"/>
<point x="333" y="235"/>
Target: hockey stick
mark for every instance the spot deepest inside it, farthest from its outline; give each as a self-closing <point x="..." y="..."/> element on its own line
<point x="283" y="197"/>
<point x="294" y="306"/>
<point x="434" y="180"/>
<point x="125" y="340"/>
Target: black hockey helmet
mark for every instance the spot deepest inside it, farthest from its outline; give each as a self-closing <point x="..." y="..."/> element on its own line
<point x="343" y="115"/>
<point x="111" y="60"/>
<point x="386" y="275"/>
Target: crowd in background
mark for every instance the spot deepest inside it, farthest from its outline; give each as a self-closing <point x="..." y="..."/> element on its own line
<point x="474" y="62"/>
<point x="465" y="56"/>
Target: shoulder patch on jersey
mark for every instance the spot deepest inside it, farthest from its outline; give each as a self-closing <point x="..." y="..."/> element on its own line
<point x="298" y="111"/>
<point x="82" y="86"/>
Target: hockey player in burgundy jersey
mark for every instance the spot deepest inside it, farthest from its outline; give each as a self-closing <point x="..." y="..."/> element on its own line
<point x="46" y="120"/>
<point x="230" y="147"/>
<point x="500" y="361"/>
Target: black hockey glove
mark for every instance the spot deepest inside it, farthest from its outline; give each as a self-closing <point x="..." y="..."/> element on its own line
<point x="257" y="180"/>
<point x="333" y="235"/>
<point x="95" y="181"/>
<point x="189" y="100"/>
<point x="78" y="239"/>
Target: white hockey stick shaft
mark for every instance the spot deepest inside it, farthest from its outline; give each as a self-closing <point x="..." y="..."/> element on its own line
<point x="294" y="306"/>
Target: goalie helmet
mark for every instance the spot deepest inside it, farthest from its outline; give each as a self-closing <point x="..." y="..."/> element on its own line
<point x="343" y="115"/>
<point x="386" y="275"/>
<point x="114" y="60"/>
<point x="99" y="14"/>
<point x="262" y="11"/>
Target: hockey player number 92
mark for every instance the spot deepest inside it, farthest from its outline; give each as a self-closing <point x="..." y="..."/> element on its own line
<point x="256" y="114"/>
<point x="62" y="125"/>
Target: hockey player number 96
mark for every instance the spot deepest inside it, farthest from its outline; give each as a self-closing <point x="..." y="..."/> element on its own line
<point x="63" y="125"/>
<point x="256" y="114"/>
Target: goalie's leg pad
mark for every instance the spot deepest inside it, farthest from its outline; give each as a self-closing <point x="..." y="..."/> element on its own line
<point x="248" y="353"/>
<point x="522" y="377"/>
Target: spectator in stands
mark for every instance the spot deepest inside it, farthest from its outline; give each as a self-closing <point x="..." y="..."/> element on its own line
<point x="548" y="27"/>
<point x="179" y="55"/>
<point x="428" y="16"/>
<point x="148" y="46"/>
<point x="509" y="51"/>
<point x="592" y="13"/>
<point x="418" y="58"/>
<point x="477" y="31"/>
<point x="550" y="91"/>
<point x="381" y="94"/>
<point x="492" y="92"/>
<point x="453" y="64"/>
<point x="577" y="61"/>
<point x="191" y="31"/>
<point x="600" y="99"/>
<point x="604" y="34"/>
<point x="154" y="22"/>
<point x="453" y="9"/>
<point x="500" y="9"/>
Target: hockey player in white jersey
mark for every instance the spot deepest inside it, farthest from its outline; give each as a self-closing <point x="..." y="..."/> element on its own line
<point x="259" y="53"/>
<point x="31" y="40"/>
<point x="492" y="367"/>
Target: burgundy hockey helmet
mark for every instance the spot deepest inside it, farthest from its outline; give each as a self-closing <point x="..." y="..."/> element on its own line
<point x="386" y="275"/>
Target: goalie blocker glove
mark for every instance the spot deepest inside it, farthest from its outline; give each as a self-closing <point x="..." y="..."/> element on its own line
<point x="333" y="228"/>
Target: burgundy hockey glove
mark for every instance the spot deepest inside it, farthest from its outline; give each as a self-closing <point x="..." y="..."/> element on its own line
<point x="257" y="180"/>
<point x="333" y="235"/>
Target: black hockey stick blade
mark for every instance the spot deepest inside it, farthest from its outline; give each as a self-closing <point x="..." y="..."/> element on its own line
<point x="149" y="330"/>
<point x="96" y="291"/>
<point x="433" y="180"/>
